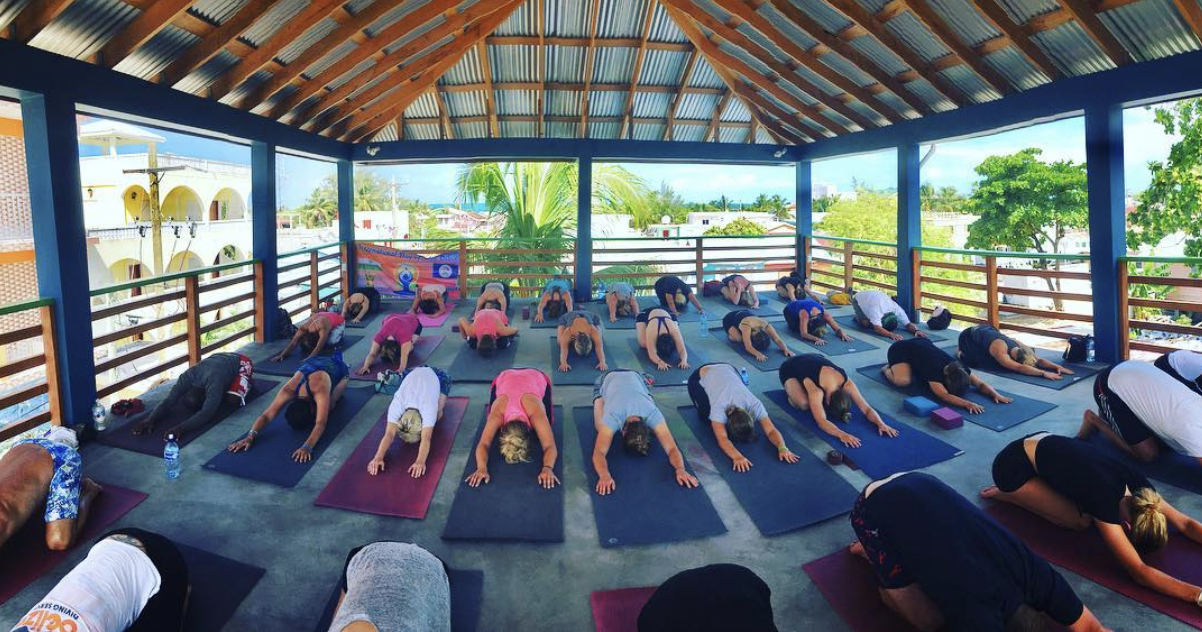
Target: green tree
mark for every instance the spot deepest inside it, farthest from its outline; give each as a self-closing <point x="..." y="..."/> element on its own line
<point x="738" y="226"/>
<point x="371" y="192"/>
<point x="1027" y="205"/>
<point x="942" y="200"/>
<point x="774" y="204"/>
<point x="320" y="209"/>
<point x="1172" y="203"/>
<point x="823" y="204"/>
<point x="666" y="202"/>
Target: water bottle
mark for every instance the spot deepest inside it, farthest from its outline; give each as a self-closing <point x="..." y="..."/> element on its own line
<point x="1089" y="352"/>
<point x="98" y="416"/>
<point x="171" y="458"/>
<point x="601" y="291"/>
<point x="703" y="320"/>
<point x="744" y="376"/>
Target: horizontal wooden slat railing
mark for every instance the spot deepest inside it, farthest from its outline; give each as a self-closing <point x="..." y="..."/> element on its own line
<point x="309" y="277"/>
<point x="841" y="263"/>
<point x="523" y="264"/>
<point x="192" y="314"/>
<point x="1156" y="288"/>
<point x="641" y="260"/>
<point x="24" y="380"/>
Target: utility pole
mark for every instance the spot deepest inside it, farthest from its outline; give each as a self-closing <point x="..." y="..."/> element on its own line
<point x="156" y="211"/>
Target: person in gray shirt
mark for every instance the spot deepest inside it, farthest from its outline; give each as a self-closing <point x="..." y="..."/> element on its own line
<point x="718" y="393"/>
<point x="222" y="379"/>
<point x="621" y="301"/>
<point x="393" y="586"/>
<point x="622" y="403"/>
<point x="581" y="332"/>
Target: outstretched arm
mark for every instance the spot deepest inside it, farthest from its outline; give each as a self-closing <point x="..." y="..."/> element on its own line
<point x="282" y="397"/>
<point x="1006" y="362"/>
<point x="611" y="301"/>
<point x="1048" y="365"/>
<point x="774" y="436"/>
<point x="291" y="345"/>
<point x="1120" y="546"/>
<point x="779" y="341"/>
<point x="681" y="349"/>
<point x="1191" y="528"/>
<point x="542" y="304"/>
<point x="988" y="391"/>
<point x="945" y="396"/>
<point x="371" y="357"/>
<point x="675" y="458"/>
<point x="692" y="299"/>
<point x="755" y="300"/>
<point x="599" y="346"/>
<point x="870" y="413"/>
<point x="491" y="426"/>
<point x="322" y="337"/>
<point x="605" y="436"/>
<point x="741" y="463"/>
<point x="818" y="409"/>
<point x="423" y="452"/>
<point x="377" y="462"/>
<point x="830" y="322"/>
<point x="542" y="427"/>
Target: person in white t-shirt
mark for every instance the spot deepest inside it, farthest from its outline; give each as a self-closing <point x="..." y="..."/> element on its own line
<point x="131" y="580"/>
<point x="718" y="393"/>
<point x="1140" y="406"/>
<point x="1185" y="366"/>
<point x="877" y="312"/>
<point x="416" y="406"/>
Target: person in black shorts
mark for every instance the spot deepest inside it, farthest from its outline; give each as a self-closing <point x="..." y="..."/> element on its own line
<point x="1072" y="484"/>
<point x="948" y="379"/>
<point x="754" y="332"/>
<point x="795" y="286"/>
<point x="674" y="294"/>
<point x="982" y="346"/>
<point x="718" y="597"/>
<point x="941" y="563"/>
<point x="811" y="377"/>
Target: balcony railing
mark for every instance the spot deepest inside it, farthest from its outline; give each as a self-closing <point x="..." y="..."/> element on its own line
<point x="641" y="260"/>
<point x="311" y="276"/>
<point x="835" y="261"/>
<point x="30" y="392"/>
<point x="1155" y="285"/>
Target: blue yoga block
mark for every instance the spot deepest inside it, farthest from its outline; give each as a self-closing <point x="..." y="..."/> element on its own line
<point x="920" y="406"/>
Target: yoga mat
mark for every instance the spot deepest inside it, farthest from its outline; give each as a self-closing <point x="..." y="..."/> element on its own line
<point x="997" y="417"/>
<point x="773" y="353"/>
<point x="288" y="366"/>
<point x="618" y="610"/>
<point x="548" y="322"/>
<point x="1170" y="467"/>
<point x="1081" y="371"/>
<point x="648" y="506"/>
<point x="690" y="314"/>
<point x="386" y="307"/>
<point x="151" y="443"/>
<point x="512" y="506"/>
<point x="674" y="376"/>
<point x="25" y="557"/>
<point x="777" y="320"/>
<point x="849" y="585"/>
<point x="422" y="350"/>
<point x="834" y="345"/>
<point x="878" y="456"/>
<point x="219" y="585"/>
<point x="393" y="492"/>
<point x="849" y="321"/>
<point x="584" y="370"/>
<point x="467" y="593"/>
<point x="602" y="310"/>
<point x="778" y="496"/>
<point x="269" y="460"/>
<point x="1084" y="553"/>
<point x="436" y="321"/>
<point x="470" y="366"/>
<point x="768" y="307"/>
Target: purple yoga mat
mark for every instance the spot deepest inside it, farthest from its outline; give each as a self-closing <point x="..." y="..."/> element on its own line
<point x="849" y="585"/>
<point x="1086" y="555"/>
<point x="618" y="610"/>
<point x="422" y="349"/>
<point x="431" y="321"/>
<point x="393" y="492"/>
<point x="25" y="557"/>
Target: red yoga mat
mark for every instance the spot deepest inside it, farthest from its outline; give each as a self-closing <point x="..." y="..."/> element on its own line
<point x="422" y="350"/>
<point x="25" y="557"/>
<point x="1086" y="555"/>
<point x="849" y="585"/>
<point x="432" y="321"/>
<point x="393" y="492"/>
<point x="618" y="610"/>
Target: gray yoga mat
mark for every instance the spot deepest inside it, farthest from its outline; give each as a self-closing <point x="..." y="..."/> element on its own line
<point x="775" y="356"/>
<point x="470" y="366"/>
<point x="834" y="345"/>
<point x="288" y="366"/>
<point x="674" y="376"/>
<point x="1082" y="371"/>
<point x="584" y="371"/>
<point x="848" y="321"/>
<point x="602" y="310"/>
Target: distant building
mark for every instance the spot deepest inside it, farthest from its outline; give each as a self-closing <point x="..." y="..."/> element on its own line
<point x="469" y="222"/>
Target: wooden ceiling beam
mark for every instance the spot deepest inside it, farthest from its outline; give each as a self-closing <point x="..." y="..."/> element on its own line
<point x="211" y="44"/>
<point x="681" y="90"/>
<point x="589" y="59"/>
<point x="945" y="34"/>
<point x="1017" y="37"/>
<point x="1085" y="15"/>
<point x="34" y="17"/>
<point x="628" y="110"/>
<point x="542" y="70"/>
<point x="712" y="132"/>
<point x="148" y="24"/>
<point x="582" y="42"/>
<point x="448" y="131"/>
<point x="494" y="130"/>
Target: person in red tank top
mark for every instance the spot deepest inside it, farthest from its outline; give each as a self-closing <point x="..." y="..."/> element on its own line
<point x="521" y="403"/>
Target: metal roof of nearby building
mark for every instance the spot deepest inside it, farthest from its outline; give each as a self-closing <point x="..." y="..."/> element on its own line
<point x="732" y="71"/>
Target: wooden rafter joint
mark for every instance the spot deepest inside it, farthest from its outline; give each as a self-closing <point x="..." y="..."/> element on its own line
<point x="892" y="9"/>
<point x="852" y="31"/>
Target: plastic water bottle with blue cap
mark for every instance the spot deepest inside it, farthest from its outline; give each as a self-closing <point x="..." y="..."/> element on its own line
<point x="98" y="416"/>
<point x="1089" y="350"/>
<point x="744" y="376"/>
<point x="171" y="458"/>
<point x="601" y="290"/>
<point x="704" y="321"/>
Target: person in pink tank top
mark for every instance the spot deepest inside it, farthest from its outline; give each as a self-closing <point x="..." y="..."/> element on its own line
<point x="521" y="403"/>
<point x="394" y="341"/>
<point x="313" y="334"/>
<point x="488" y="331"/>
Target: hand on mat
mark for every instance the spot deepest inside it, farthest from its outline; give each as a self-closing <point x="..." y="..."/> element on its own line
<point x="974" y="408"/>
<point x="788" y="457"/>
<point x="178" y="431"/>
<point x="279" y="358"/>
<point x="844" y="337"/>
<point x="362" y="371"/>
<point x="547" y="478"/>
<point x="788" y="354"/>
<point x="894" y="337"/>
<point x="818" y="342"/>
<point x="662" y="366"/>
<point x="684" y="364"/>
<point x="1052" y="375"/>
<point x="919" y="334"/>
<point x="606" y="486"/>
<point x="848" y="440"/>
<point x="759" y="357"/>
<point x="302" y="455"/>
<point x="375" y="467"/>
<point x="885" y="430"/>
<point x="684" y="479"/>
<point x="538" y="318"/>
<point x="1064" y="370"/>
<point x="742" y="464"/>
<point x="142" y="428"/>
<point x="477" y="477"/>
<point x="417" y="470"/>
<point x="565" y="367"/>
<point x="1001" y="399"/>
<point x="241" y="445"/>
<point x="601" y="366"/>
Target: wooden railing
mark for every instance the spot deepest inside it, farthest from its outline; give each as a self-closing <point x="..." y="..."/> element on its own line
<point x="310" y="277"/>
<point x="842" y="263"/>
<point x="1150" y="287"/>
<point x="32" y="375"/>
<point x="641" y="260"/>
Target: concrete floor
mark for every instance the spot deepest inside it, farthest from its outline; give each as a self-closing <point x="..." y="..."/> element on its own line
<point x="533" y="587"/>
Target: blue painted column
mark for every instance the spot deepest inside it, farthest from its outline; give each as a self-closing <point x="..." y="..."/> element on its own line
<point x="1107" y="223"/>
<point x="60" y="245"/>
<point x="805" y="212"/>
<point x="263" y="242"/>
<point x="909" y="224"/>
<point x="346" y="219"/>
<point x="584" y="229"/>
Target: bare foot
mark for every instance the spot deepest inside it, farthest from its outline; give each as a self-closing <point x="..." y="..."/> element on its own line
<point x="990" y="492"/>
<point x="857" y="548"/>
<point x="1087" y="424"/>
<point x="89" y="489"/>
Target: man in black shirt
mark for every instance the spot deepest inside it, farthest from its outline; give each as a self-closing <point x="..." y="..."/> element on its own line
<point x="717" y="598"/>
<point x="219" y="378"/>
<point x="674" y="294"/>
<point x="919" y="360"/>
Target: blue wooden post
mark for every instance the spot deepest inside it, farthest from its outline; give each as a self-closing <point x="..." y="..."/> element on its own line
<point x="909" y="224"/>
<point x="584" y="229"/>
<point x="263" y="208"/>
<point x="346" y="220"/>
<point x="1107" y="223"/>
<point x="61" y="251"/>
<point x="805" y="212"/>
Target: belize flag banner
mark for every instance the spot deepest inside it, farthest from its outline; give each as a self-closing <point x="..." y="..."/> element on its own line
<point x="399" y="274"/>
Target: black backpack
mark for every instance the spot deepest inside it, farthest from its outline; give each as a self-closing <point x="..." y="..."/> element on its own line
<point x="1078" y="348"/>
<point x="284" y="329"/>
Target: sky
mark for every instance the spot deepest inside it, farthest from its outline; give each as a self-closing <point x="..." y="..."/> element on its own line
<point x="951" y="164"/>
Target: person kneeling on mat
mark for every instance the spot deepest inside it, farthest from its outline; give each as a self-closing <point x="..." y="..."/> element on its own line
<point x="395" y="340"/>
<point x="941" y="563"/>
<point x="714" y="598"/>
<point x="739" y="291"/>
<point x="392" y="586"/>
<point x="754" y="332"/>
<point x="808" y="319"/>
<point x="1074" y="485"/>
<point x="488" y="331"/>
<point x="811" y="377"/>
<point x="313" y="334"/>
<point x="46" y="470"/>
<point x="555" y="301"/>
<point x="131" y="580"/>
<point x="309" y="395"/>
<point x="947" y="378"/>
<point x="1183" y="365"/>
<point x="431" y="300"/>
<point x="620" y="300"/>
<point x="795" y="286"/>
<point x="622" y="403"/>
<point x="718" y="393"/>
<point x="220" y="378"/>
<point x="674" y="295"/>
<point x="1140" y="406"/>
<point x="520" y="405"/>
<point x="416" y="406"/>
<point x="661" y="339"/>
<point x="363" y="302"/>
<point x="982" y="346"/>
<point x="876" y="311"/>
<point x="581" y="332"/>
<point x="493" y="295"/>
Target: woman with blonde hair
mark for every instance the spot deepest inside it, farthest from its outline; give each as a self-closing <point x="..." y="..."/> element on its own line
<point x="983" y="346"/>
<point x="416" y="407"/>
<point x="520" y="406"/>
<point x="1071" y="484"/>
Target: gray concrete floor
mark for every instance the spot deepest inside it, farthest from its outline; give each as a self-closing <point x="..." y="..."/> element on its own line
<point x="534" y="587"/>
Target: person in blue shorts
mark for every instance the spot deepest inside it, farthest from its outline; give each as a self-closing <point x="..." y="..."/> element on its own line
<point x="46" y="470"/>
<point x="308" y="396"/>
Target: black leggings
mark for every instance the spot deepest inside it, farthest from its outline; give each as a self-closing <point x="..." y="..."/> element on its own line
<point x="165" y="610"/>
<point x="696" y="393"/>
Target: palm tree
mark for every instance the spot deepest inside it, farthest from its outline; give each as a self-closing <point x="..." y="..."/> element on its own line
<point x="371" y="193"/>
<point x="319" y="210"/>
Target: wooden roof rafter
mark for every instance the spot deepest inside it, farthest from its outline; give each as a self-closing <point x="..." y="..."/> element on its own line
<point x="588" y="69"/>
<point x="214" y="42"/>
<point x="490" y="109"/>
<point x="148" y="24"/>
<point x="1085" y="15"/>
<point x="35" y="17"/>
<point x="448" y="130"/>
<point x="542" y="69"/>
<point x="952" y="41"/>
<point x="685" y="78"/>
<point x="628" y="109"/>
<point x="1192" y="14"/>
<point x="1000" y="20"/>
<point x="711" y="133"/>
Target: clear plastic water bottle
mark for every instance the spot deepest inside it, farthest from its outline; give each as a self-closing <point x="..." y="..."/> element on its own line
<point x="171" y="458"/>
<point x="601" y="291"/>
<point x="744" y="376"/>
<point x="704" y="321"/>
<point x="1089" y="350"/>
<point x="98" y="416"/>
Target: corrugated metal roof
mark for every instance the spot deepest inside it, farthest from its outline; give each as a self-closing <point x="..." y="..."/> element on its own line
<point x="562" y="103"/>
<point x="464" y="103"/>
<point x="911" y="32"/>
<point x="216" y="11"/>
<point x="84" y="27"/>
<point x="273" y="20"/>
<point x="704" y="75"/>
<point x="689" y="133"/>
<point x="424" y="106"/>
<point x="523" y="21"/>
<point x="568" y="19"/>
<point x="518" y="129"/>
<point x="1150" y="29"/>
<point x="562" y="130"/>
<point x="663" y="29"/>
<point x="763" y="137"/>
<point x="603" y="130"/>
<point x="647" y="132"/>
<point x="423" y="131"/>
<point x="1021" y="11"/>
<point x="732" y="134"/>
<point x="663" y="67"/>
<point x="696" y="106"/>
<point x="735" y="112"/>
<point x="613" y="65"/>
<point x="965" y="21"/>
<point x="970" y="84"/>
<point x="9" y="10"/>
<point x="329" y="59"/>
<point x="565" y="64"/>
<point x="156" y="54"/>
<point x="388" y="134"/>
<point x="1072" y="49"/>
<point x="783" y="24"/>
<point x="516" y="102"/>
<point x="307" y="40"/>
<point x="466" y="70"/>
<point x="606" y="103"/>
<point x="474" y="129"/>
<point x="1015" y="67"/>
<point x="621" y="18"/>
<point x="651" y="104"/>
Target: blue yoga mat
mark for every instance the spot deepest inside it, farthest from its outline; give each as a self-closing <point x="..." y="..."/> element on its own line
<point x="219" y="585"/>
<point x="834" y="345"/>
<point x="470" y="366"/>
<point x="674" y="376"/>
<point x="997" y="417"/>
<point x="773" y="353"/>
<point x="648" y="506"/>
<point x="779" y="497"/>
<point x="288" y="366"/>
<point x="878" y="456"/>
<point x="512" y="506"/>
<point x="269" y="460"/>
<point x="1081" y="371"/>
<point x="584" y="370"/>
<point x="467" y="595"/>
<point x="386" y="307"/>
<point x="848" y="321"/>
<point x="1170" y="467"/>
<point x="689" y="314"/>
<point x="602" y="310"/>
